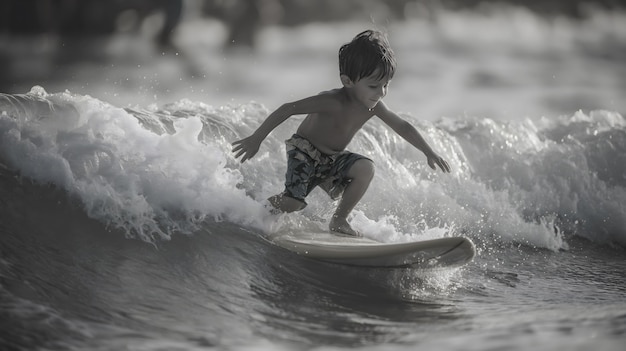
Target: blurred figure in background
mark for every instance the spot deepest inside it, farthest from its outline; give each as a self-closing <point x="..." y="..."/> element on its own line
<point x="243" y="18"/>
<point x="84" y="17"/>
<point x="69" y="31"/>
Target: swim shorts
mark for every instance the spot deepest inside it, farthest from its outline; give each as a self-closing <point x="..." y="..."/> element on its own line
<point x="307" y="168"/>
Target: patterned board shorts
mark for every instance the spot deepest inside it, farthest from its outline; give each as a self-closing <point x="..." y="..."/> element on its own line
<point x="307" y="168"/>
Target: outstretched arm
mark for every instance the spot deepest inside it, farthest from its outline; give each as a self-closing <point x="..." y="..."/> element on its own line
<point x="406" y="130"/>
<point x="246" y="148"/>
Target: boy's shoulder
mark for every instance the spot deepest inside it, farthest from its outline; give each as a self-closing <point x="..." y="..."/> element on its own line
<point x="333" y="93"/>
<point x="330" y="101"/>
<point x="334" y="101"/>
<point x="334" y="97"/>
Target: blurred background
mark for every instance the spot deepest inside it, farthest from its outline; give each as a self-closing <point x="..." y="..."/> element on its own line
<point x="491" y="58"/>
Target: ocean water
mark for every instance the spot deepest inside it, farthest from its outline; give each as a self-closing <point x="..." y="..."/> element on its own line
<point x="127" y="224"/>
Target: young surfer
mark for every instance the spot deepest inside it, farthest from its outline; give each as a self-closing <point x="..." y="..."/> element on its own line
<point x="316" y="154"/>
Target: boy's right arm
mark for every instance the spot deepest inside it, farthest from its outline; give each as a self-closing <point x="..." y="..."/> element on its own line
<point x="246" y="148"/>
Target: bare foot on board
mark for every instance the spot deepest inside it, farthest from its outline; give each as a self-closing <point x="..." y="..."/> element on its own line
<point x="340" y="226"/>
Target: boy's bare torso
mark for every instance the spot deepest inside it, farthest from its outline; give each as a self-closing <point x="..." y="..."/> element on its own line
<point x="331" y="130"/>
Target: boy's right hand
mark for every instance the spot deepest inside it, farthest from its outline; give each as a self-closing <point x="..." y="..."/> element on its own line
<point x="246" y="148"/>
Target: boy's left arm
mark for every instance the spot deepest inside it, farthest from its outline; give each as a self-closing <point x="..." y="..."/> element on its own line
<point x="406" y="130"/>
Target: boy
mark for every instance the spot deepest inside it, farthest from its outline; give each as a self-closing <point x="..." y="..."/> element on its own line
<point x="316" y="154"/>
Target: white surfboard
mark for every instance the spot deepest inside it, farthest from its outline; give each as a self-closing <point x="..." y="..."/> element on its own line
<point x="443" y="252"/>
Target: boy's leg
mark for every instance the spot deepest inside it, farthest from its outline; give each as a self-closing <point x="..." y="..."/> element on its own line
<point x="300" y="168"/>
<point x="360" y="175"/>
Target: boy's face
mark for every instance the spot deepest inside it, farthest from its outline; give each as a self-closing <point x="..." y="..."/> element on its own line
<point x="368" y="90"/>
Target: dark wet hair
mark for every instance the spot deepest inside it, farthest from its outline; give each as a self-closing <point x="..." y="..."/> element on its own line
<point x="366" y="53"/>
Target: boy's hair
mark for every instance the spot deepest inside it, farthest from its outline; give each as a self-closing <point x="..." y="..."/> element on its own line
<point x="367" y="52"/>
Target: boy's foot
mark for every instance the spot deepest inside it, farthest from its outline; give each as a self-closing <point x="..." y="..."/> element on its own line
<point x="342" y="227"/>
<point x="271" y="209"/>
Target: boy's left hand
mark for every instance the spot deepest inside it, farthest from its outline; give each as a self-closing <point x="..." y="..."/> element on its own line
<point x="435" y="160"/>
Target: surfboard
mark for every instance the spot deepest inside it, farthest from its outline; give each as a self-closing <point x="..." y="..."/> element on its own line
<point x="442" y="252"/>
